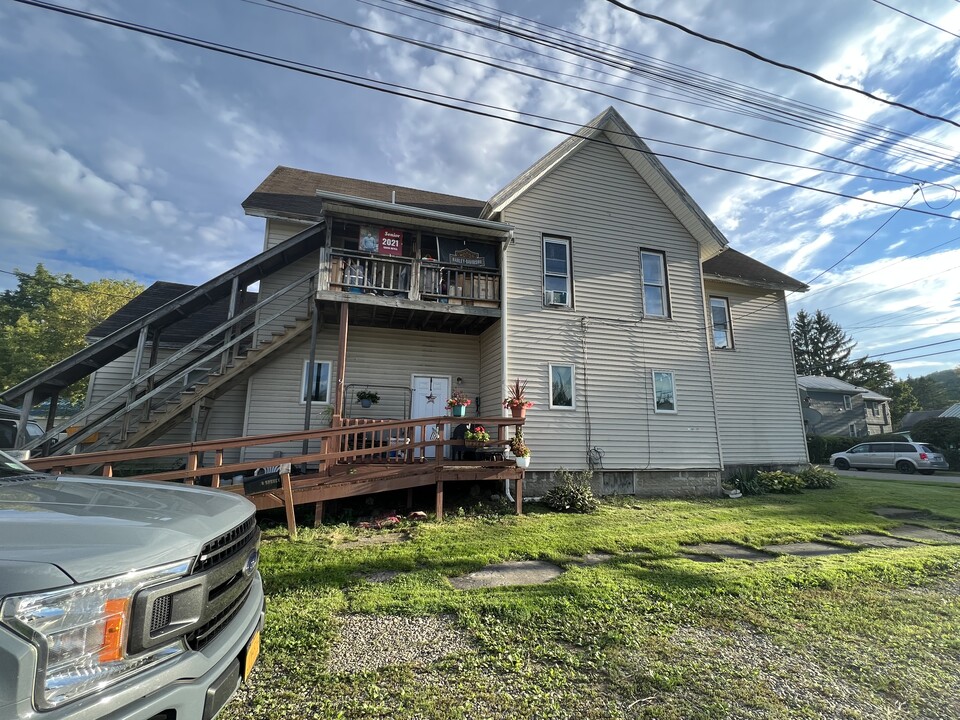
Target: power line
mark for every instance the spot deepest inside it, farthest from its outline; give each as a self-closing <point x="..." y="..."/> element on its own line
<point x="914" y="17"/>
<point x="432" y="98"/>
<point x="895" y="287"/>
<point x="785" y="66"/>
<point x="916" y="347"/>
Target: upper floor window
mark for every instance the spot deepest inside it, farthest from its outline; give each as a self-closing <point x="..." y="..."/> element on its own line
<point x="720" y="318"/>
<point x="557" y="271"/>
<point x="664" y="391"/>
<point x="847" y="402"/>
<point x="562" y="387"/>
<point x="320" y="385"/>
<point x="653" y="273"/>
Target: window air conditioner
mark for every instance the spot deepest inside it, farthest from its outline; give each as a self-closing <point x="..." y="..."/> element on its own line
<point x="557" y="298"/>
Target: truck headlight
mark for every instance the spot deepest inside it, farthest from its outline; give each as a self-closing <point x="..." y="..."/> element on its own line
<point x="81" y="631"/>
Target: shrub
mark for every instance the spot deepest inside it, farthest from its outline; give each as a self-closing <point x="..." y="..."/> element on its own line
<point x="745" y="480"/>
<point x="821" y="447"/>
<point x="572" y="492"/>
<point x="779" y="481"/>
<point x="816" y="477"/>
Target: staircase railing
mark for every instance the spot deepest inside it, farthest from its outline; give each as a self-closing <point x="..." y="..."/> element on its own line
<point x="239" y="331"/>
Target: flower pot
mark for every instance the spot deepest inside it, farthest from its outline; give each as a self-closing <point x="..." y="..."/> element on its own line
<point x="523" y="462"/>
<point x="458" y="410"/>
<point x="518" y="411"/>
<point x="365" y="403"/>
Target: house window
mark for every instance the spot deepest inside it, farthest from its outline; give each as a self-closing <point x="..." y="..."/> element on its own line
<point x="852" y="429"/>
<point x="875" y="409"/>
<point x="653" y="273"/>
<point x="664" y="392"/>
<point x="557" y="273"/>
<point x="562" y="387"/>
<point x="847" y="402"/>
<point x="720" y="317"/>
<point x="320" y="391"/>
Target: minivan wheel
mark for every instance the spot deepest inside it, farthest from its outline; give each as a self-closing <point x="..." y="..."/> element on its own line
<point x="906" y="467"/>
<point x="841" y="464"/>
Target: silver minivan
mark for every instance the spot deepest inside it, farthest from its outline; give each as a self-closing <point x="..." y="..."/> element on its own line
<point x="907" y="457"/>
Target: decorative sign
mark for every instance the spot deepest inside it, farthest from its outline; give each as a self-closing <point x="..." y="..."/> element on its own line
<point x="385" y="241"/>
<point x="467" y="257"/>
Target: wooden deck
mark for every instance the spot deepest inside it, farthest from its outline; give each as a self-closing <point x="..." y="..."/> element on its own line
<point x="359" y="458"/>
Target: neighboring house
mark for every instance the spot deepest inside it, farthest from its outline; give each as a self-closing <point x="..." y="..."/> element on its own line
<point x="655" y="354"/>
<point x="917" y="416"/>
<point x="835" y="407"/>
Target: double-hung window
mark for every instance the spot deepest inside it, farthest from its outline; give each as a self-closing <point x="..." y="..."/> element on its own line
<point x="847" y="402"/>
<point x="557" y="271"/>
<point x="316" y="388"/>
<point x="720" y="318"/>
<point x="653" y="273"/>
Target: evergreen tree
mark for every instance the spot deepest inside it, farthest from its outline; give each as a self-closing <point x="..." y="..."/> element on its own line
<point x="929" y="392"/>
<point x="820" y="345"/>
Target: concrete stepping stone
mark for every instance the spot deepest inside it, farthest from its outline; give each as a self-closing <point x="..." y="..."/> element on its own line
<point x="522" y="572"/>
<point x="807" y="549"/>
<point x="595" y="558"/>
<point x="898" y="513"/>
<point x="879" y="541"/>
<point x="924" y="533"/>
<point x="727" y="551"/>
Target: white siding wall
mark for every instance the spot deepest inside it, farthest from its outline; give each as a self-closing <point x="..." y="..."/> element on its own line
<point x="379" y="359"/>
<point x="492" y="391"/>
<point x="757" y="399"/>
<point x="609" y="212"/>
<point x="277" y="231"/>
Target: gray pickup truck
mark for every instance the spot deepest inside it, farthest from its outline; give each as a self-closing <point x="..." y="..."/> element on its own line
<point x="123" y="600"/>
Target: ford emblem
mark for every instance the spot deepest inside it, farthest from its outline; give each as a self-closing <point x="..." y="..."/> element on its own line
<point x="251" y="564"/>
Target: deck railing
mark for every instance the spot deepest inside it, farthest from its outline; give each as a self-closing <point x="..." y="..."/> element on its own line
<point x="450" y="283"/>
<point x="353" y="272"/>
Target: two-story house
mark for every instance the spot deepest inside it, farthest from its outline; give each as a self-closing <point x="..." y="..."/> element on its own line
<point x="835" y="407"/>
<point x="655" y="354"/>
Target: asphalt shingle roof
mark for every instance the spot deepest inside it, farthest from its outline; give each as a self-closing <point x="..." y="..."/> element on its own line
<point x="734" y="265"/>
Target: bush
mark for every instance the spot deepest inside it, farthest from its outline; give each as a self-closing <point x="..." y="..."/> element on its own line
<point x="779" y="481"/>
<point x="821" y="447"/>
<point x="816" y="478"/>
<point x="746" y="481"/>
<point x="572" y="492"/>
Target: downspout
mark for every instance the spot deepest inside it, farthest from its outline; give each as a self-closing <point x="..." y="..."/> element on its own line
<point x="504" y="355"/>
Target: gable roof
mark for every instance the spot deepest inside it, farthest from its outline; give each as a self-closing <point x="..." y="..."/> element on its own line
<point x="733" y="266"/>
<point x="643" y="160"/>
<point x="290" y="192"/>
<point x="820" y="383"/>
<point x="916" y="416"/>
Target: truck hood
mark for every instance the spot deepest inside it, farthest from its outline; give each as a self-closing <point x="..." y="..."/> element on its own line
<point x="93" y="528"/>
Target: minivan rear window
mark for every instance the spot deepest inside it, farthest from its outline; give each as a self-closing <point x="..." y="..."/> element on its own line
<point x="930" y="449"/>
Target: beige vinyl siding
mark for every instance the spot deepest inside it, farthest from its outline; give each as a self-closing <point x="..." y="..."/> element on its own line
<point x="379" y="359"/>
<point x="277" y="231"/>
<point x="491" y="384"/>
<point x="757" y="400"/>
<point x="598" y="200"/>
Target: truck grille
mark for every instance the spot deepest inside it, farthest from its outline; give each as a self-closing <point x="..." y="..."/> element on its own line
<point x="226" y="546"/>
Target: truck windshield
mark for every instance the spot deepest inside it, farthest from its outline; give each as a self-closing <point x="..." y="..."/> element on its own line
<point x="12" y="468"/>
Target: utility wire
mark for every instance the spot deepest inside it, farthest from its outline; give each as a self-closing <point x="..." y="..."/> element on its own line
<point x="914" y="17"/>
<point x="916" y="347"/>
<point x="437" y="99"/>
<point x="895" y="287"/>
<point x="785" y="66"/>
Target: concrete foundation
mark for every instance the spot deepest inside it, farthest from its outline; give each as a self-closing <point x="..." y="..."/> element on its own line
<point x="641" y="483"/>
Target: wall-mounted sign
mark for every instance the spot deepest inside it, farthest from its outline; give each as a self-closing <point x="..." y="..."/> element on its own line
<point x="385" y="241"/>
<point x="467" y="257"/>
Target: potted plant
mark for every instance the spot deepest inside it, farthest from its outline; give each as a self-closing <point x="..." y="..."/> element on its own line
<point x="476" y="436"/>
<point x="521" y="452"/>
<point x="457" y="404"/>
<point x="516" y="401"/>
<point x="366" y="398"/>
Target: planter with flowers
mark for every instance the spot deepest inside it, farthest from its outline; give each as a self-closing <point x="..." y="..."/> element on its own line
<point x="366" y="398"/>
<point x="516" y="401"/>
<point x="457" y="404"/>
<point x="476" y="436"/>
<point x="521" y="453"/>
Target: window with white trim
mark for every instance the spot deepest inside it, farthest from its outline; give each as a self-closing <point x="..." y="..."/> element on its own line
<point x="557" y="271"/>
<point x="720" y="318"/>
<point x="852" y="429"/>
<point x="653" y="274"/>
<point x="321" y="382"/>
<point x="562" y="387"/>
<point x="664" y="391"/>
<point x="847" y="402"/>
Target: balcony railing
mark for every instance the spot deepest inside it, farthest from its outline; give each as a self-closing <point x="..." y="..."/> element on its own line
<point x="439" y="282"/>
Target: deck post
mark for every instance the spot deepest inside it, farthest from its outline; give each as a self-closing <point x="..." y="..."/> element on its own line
<point x="318" y="510"/>
<point x="311" y="371"/>
<point x="519" y="494"/>
<point x="337" y="419"/>
<point x="288" y="505"/>
<point x="439" y="500"/>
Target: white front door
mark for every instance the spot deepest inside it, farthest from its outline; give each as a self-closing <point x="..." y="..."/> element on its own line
<point x="429" y="400"/>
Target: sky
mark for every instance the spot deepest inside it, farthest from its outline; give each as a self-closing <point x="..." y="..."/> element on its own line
<point x="124" y="155"/>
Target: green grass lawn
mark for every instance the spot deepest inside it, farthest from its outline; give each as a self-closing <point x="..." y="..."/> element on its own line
<point x="647" y="634"/>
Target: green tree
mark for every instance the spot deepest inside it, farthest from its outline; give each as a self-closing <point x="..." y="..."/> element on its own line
<point x="902" y="400"/>
<point x="929" y="392"/>
<point x="46" y="318"/>
<point x="820" y="346"/>
<point x="873" y="374"/>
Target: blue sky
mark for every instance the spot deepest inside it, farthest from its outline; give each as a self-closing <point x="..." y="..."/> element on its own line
<point x="127" y="156"/>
